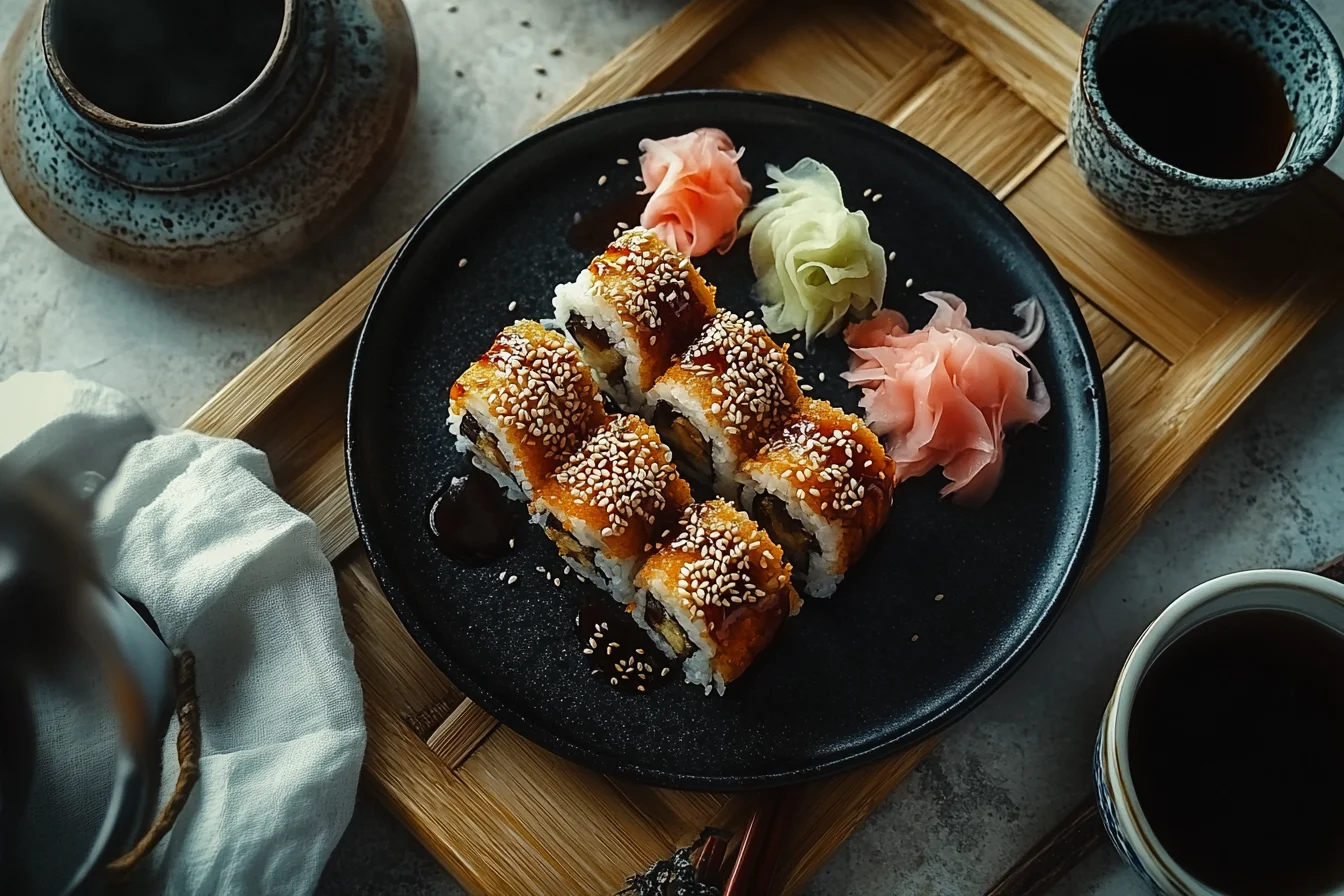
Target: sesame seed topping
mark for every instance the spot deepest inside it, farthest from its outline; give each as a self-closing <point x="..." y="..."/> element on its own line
<point x="821" y="376"/>
<point x="938" y="597"/>
<point x="868" y="191"/>
<point x="799" y="355"/>
<point x="624" y="470"/>
<point x="823" y="454"/>
<point x="502" y="575"/>
<point x="545" y="386"/>
<point x="877" y="197"/>
<point x="805" y="387"/>
<point x="510" y="542"/>
<point x="601" y="181"/>
<point x="749" y="369"/>
<point x="639" y="179"/>
<point x="891" y="256"/>
<point x="910" y="282"/>
<point x="461" y="262"/>
<point x="666" y="670"/>
<point x="914" y="637"/>
<point x="512" y="579"/>
<point x="622" y="161"/>
<point x="722" y="574"/>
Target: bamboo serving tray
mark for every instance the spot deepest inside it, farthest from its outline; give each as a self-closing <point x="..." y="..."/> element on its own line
<point x="1185" y="330"/>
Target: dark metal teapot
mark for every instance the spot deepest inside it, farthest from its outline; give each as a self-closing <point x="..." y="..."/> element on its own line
<point x="53" y="603"/>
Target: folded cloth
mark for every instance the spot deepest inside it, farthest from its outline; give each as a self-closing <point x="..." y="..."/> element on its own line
<point x="191" y="527"/>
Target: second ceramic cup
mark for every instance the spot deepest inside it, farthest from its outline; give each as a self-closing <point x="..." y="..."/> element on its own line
<point x="1150" y="194"/>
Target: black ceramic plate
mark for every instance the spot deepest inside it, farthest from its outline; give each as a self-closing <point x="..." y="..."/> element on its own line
<point x="846" y="681"/>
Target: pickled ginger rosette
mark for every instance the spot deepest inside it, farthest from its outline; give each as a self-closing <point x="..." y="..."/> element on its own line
<point x="944" y="395"/>
<point x="698" y="191"/>
<point x="814" y="261"/>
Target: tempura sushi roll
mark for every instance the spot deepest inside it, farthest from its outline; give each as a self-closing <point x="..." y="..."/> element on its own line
<point x="714" y="592"/>
<point x="822" y="489"/>
<point x="524" y="406"/>
<point x="636" y="305"/>
<point x="728" y="393"/>
<point x="605" y="505"/>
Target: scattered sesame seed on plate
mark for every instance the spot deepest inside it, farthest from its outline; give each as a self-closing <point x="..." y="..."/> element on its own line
<point x="510" y="540"/>
<point x="512" y="306"/>
<point x="868" y="192"/>
<point x="666" y="669"/>
<point x="799" y="355"/>
<point x="914" y="637"/>
<point x="805" y="387"/>
<point x="749" y="315"/>
<point x="513" y="579"/>
<point x="622" y="161"/>
<point x="877" y="197"/>
<point x="891" y="256"/>
<point x="639" y="179"/>
<point x="910" y="282"/>
<point x="821" y="376"/>
<point x="461" y="262"/>
<point x="557" y="581"/>
<point x="622" y="225"/>
<point x="938" y="596"/>
<point x="502" y="575"/>
<point x="601" y="180"/>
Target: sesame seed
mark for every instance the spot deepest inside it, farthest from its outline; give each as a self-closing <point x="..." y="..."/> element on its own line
<point x="914" y="637"/>
<point x="821" y="376"/>
<point x="666" y="669"/>
<point x="513" y="305"/>
<point x="639" y="179"/>
<point x="938" y="597"/>
<point x="877" y="197"/>
<point x="622" y="161"/>
<point x="461" y="262"/>
<point x="512" y="579"/>
<point x="565" y="571"/>
<point x="805" y="387"/>
<point x="868" y="191"/>
<point x="891" y="256"/>
<point x="502" y="575"/>
<point x="510" y="542"/>
<point x="909" y="283"/>
<point x="799" y="355"/>
<point x="557" y="581"/>
<point x="639" y="687"/>
<point x="602" y="180"/>
<point x="622" y="225"/>
<point x="615" y="681"/>
<point x="588" y="651"/>
<point x="624" y="470"/>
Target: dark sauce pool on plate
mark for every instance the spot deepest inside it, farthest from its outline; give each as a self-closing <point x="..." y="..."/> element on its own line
<point x="1235" y="741"/>
<point x="620" y="652"/>
<point x="471" y="519"/>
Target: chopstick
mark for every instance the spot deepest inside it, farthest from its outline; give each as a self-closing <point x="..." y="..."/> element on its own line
<point x="762" y="848"/>
<point x="1055" y="854"/>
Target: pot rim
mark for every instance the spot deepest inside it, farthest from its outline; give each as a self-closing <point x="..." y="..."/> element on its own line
<point x="100" y="116"/>
<point x="1332" y="60"/>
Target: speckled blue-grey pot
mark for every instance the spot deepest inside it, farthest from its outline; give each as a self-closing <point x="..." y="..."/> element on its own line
<point x="224" y="194"/>
<point x="1147" y="193"/>
<point x="1303" y="593"/>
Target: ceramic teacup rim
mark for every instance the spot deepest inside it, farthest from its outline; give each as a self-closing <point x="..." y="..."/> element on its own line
<point x="1313" y="157"/>
<point x="96" y="113"/>
<point x="1141" y="657"/>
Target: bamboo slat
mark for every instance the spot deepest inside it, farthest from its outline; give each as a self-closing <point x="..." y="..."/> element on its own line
<point x="1184" y="330"/>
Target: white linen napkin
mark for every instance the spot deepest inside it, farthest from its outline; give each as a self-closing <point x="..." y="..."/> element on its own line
<point x="191" y="527"/>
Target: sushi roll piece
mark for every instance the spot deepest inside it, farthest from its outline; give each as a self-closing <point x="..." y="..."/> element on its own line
<point x="637" y="305"/>
<point x="822" y="488"/>
<point x="714" y="592"/>
<point x="729" y="392"/>
<point x="604" y="506"/>
<point x="524" y="406"/>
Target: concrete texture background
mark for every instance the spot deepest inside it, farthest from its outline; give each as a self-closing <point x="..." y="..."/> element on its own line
<point x="1269" y="493"/>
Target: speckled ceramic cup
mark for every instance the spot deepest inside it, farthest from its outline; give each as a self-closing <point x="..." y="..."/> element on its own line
<point x="1149" y="194"/>
<point x="1309" y="595"/>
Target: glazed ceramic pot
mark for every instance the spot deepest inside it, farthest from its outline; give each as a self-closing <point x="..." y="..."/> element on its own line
<point x="1150" y="194"/>
<point x="193" y="143"/>
<point x="1122" y="813"/>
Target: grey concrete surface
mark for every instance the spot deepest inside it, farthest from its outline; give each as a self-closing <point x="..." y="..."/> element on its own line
<point x="1270" y="491"/>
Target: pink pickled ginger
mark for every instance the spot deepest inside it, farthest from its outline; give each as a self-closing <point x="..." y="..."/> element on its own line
<point x="944" y="395"/>
<point x="698" y="190"/>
